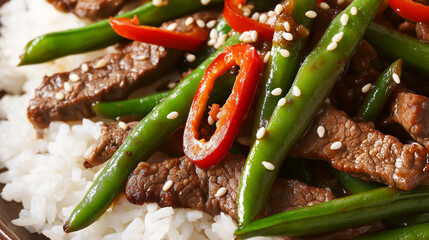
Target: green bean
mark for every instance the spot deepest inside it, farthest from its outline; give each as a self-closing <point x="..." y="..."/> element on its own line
<point x="383" y="88"/>
<point x="138" y="146"/>
<point x="315" y="79"/>
<point x="99" y="35"/>
<point x="136" y="107"/>
<point x="350" y="211"/>
<point x="394" y="45"/>
<point x="281" y="70"/>
<point x="420" y="231"/>
<point x="352" y="184"/>
<point x="142" y="106"/>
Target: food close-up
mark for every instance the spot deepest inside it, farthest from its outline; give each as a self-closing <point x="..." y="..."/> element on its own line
<point x="214" y="119"/>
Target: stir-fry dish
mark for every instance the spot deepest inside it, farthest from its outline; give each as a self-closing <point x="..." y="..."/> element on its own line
<point x="299" y="119"/>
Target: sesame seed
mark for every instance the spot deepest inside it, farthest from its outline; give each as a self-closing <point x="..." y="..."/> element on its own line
<point x="189" y="21"/>
<point x="74" y="77"/>
<point x="366" y="88"/>
<point x="211" y="42"/>
<point x="287" y="26"/>
<point x="173" y="115"/>
<point x="190" y="57"/>
<point x="324" y="6"/>
<point x="337" y="37"/>
<point x="281" y="102"/>
<point x="320" y="131"/>
<point x="214" y="34"/>
<point x="211" y="23"/>
<point x="344" y="19"/>
<point x="222" y="38"/>
<point x="285" y="53"/>
<point x="278" y="9"/>
<point x="201" y="23"/>
<point x="100" y="64"/>
<point x="276" y="91"/>
<point x="260" y="133"/>
<point x="172" y="27"/>
<point x="254" y="36"/>
<point x="271" y="14"/>
<point x="269" y="166"/>
<point x="84" y="68"/>
<point x="171" y="85"/>
<point x="205" y="2"/>
<point x="255" y="16"/>
<point x="332" y="46"/>
<point x="287" y="36"/>
<point x="396" y="78"/>
<point x="246" y="11"/>
<point x="336" y="145"/>
<point x="68" y="87"/>
<point x="311" y="14"/>
<point x="141" y="57"/>
<point x="160" y="3"/>
<point x="267" y="57"/>
<point x="59" y="96"/>
<point x="327" y="101"/>
<point x="353" y="11"/>
<point x="220" y="192"/>
<point x="210" y="120"/>
<point x="339" y="2"/>
<point x="263" y="18"/>
<point x="244" y="35"/>
<point x="167" y="185"/>
<point x="296" y="91"/>
<point x="123" y="125"/>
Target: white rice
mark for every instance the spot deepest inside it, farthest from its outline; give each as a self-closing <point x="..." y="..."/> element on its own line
<point x="47" y="174"/>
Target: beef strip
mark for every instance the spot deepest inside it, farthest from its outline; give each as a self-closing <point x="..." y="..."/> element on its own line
<point x="364" y="152"/>
<point x="197" y="188"/>
<point x="112" y="136"/>
<point x="412" y="112"/>
<point x="92" y="9"/>
<point x="69" y="95"/>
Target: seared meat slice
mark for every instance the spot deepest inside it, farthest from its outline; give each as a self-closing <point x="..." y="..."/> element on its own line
<point x="359" y="150"/>
<point x="69" y="95"/>
<point x="201" y="189"/>
<point x="412" y="112"/>
<point x="112" y="136"/>
<point x="93" y="9"/>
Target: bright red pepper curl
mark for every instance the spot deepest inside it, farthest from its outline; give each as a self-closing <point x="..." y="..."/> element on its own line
<point x="207" y="153"/>
<point x="411" y="10"/>
<point x="130" y="29"/>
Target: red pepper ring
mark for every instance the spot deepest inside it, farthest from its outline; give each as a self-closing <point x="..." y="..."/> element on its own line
<point x="411" y="10"/>
<point x="207" y="153"/>
<point x="241" y="23"/>
<point x="130" y="29"/>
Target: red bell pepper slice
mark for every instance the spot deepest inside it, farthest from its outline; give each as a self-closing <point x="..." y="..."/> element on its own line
<point x="130" y="28"/>
<point x="411" y="10"/>
<point x="206" y="153"/>
<point x="241" y="23"/>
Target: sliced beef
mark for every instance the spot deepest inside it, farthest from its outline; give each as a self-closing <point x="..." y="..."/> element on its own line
<point x="196" y="188"/>
<point x="112" y="136"/>
<point x="69" y="95"/>
<point x="412" y="112"/>
<point x="363" y="152"/>
<point x="92" y="9"/>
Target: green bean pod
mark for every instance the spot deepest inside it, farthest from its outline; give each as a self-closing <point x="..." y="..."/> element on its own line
<point x="350" y="211"/>
<point x="281" y="70"/>
<point x="138" y="146"/>
<point x="383" y="88"/>
<point x="420" y="231"/>
<point x="314" y="81"/>
<point x="132" y="107"/>
<point x="394" y="45"/>
<point x="352" y="184"/>
<point x="100" y="34"/>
